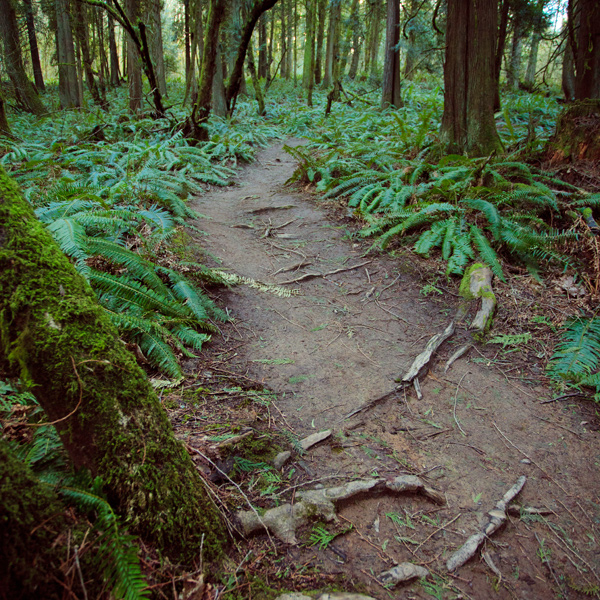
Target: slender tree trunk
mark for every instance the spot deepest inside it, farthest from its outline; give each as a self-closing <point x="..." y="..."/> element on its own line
<point x="115" y="73"/>
<point x="514" y="69"/>
<point x="134" y="67"/>
<point x="82" y="33"/>
<point x="502" y="30"/>
<point x="356" y="39"/>
<point x="256" y="82"/>
<point x="201" y="111"/>
<point x="104" y="74"/>
<point x="156" y="43"/>
<point x="285" y="49"/>
<point x="68" y="82"/>
<point x="411" y="51"/>
<point x="468" y="121"/>
<point x="291" y="40"/>
<point x="536" y="36"/>
<point x="33" y="47"/>
<point x="187" y="46"/>
<point x="333" y="44"/>
<point x="106" y="412"/>
<point x="374" y="35"/>
<point x="25" y="94"/>
<point x="321" y="18"/>
<point x="308" y="73"/>
<point x="391" y="93"/>
<point x="262" y="47"/>
<point x="587" y="59"/>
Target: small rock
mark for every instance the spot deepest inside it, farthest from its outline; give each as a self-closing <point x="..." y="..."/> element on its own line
<point x="315" y="438"/>
<point x="402" y="572"/>
<point x="526" y="461"/>
<point x="281" y="459"/>
<point x="293" y="596"/>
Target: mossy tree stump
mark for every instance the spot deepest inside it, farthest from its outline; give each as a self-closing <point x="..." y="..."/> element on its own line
<point x="55" y="336"/>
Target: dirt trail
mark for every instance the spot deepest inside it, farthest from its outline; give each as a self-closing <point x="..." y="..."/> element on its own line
<point x="340" y="343"/>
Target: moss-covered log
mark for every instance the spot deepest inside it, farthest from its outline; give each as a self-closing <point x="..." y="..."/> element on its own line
<point x="31" y="519"/>
<point x="56" y="337"/>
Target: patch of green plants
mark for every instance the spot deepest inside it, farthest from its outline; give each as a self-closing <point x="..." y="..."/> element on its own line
<point x="576" y="359"/>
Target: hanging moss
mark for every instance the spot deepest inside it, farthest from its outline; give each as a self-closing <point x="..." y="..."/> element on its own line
<point x="58" y="339"/>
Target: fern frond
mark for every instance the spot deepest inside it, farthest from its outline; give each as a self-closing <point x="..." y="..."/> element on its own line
<point x="72" y="239"/>
<point x="487" y="253"/>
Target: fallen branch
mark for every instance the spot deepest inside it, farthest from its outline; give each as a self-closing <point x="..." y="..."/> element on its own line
<point x="497" y="519"/>
<point x="311" y="275"/>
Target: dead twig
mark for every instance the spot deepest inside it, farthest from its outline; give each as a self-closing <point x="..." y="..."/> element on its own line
<point x="455" y="401"/>
<point x="311" y="275"/>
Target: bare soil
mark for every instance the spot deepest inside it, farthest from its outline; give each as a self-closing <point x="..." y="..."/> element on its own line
<point x="340" y="342"/>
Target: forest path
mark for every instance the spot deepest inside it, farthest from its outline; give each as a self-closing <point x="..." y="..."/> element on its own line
<point x="342" y="341"/>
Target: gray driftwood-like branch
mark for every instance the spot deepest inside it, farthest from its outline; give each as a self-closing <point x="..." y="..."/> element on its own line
<point x="497" y="517"/>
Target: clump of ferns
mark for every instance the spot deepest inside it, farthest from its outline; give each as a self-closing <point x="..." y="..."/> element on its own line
<point x="463" y="207"/>
<point x="155" y="307"/>
<point x="576" y="359"/>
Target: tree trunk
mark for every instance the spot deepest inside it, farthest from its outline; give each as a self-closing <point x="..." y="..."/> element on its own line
<point x="219" y="102"/>
<point x="134" y="68"/>
<point x="68" y="82"/>
<point x="82" y="33"/>
<point x="285" y="49"/>
<point x="115" y="73"/>
<point x="235" y="80"/>
<point x="201" y="111"/>
<point x="4" y="126"/>
<point x="321" y="18"/>
<point x="25" y="94"/>
<point x="587" y="59"/>
<point x="411" y="51"/>
<point x="104" y="73"/>
<point x="500" y="44"/>
<point x="391" y="93"/>
<point x="31" y="522"/>
<point x="356" y="39"/>
<point x="262" y="47"/>
<point x="333" y="44"/>
<point x="156" y="44"/>
<point x="187" y="47"/>
<point x="256" y="82"/>
<point x="291" y="40"/>
<point x="468" y="121"/>
<point x="568" y="72"/>
<point x="374" y="34"/>
<point x="536" y="36"/>
<point x="308" y="73"/>
<point x="33" y="47"/>
<point x="57" y="337"/>
<point x="514" y="69"/>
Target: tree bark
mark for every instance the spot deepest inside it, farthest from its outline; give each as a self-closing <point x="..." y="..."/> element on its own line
<point x="4" y="126"/>
<point x="31" y="522"/>
<point x="411" y="51"/>
<point x="68" y="81"/>
<point x="514" y="69"/>
<point x="219" y="101"/>
<point x="468" y="121"/>
<point x="58" y="339"/>
<point x="82" y="33"/>
<point x="536" y="36"/>
<point x="115" y="73"/>
<point x="134" y="67"/>
<point x="25" y="94"/>
<point x="500" y="44"/>
<point x="308" y="73"/>
<point x="262" y="47"/>
<point x="391" y="93"/>
<point x="321" y="18"/>
<point x="156" y="44"/>
<point x="235" y="79"/>
<point x="256" y="82"/>
<point x="357" y="35"/>
<point x="587" y="58"/>
<point x="374" y="34"/>
<point x="333" y="44"/>
<point x="33" y="47"/>
<point x="568" y="72"/>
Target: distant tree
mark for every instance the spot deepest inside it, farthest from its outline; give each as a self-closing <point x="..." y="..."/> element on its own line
<point x="4" y="126"/>
<point x="468" y="121"/>
<point x="33" y="46"/>
<point x="536" y="36"/>
<point x="308" y="74"/>
<point x="332" y="51"/>
<point x="25" y="94"/>
<point x="391" y="95"/>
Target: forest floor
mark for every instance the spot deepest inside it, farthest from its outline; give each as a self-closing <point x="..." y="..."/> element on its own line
<point x="287" y="367"/>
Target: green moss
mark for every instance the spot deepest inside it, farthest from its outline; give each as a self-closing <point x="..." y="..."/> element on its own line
<point x="255" y="449"/>
<point x="54" y="332"/>
<point x="464" y="289"/>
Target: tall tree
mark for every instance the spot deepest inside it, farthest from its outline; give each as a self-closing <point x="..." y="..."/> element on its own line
<point x="332" y="53"/>
<point x="357" y="37"/>
<point x="57" y="337"/>
<point x="134" y="67"/>
<point x="500" y="43"/>
<point x="69" y="90"/>
<point x="308" y="74"/>
<point x="321" y="19"/>
<point x="115" y="73"/>
<point x="4" y="126"/>
<point x="373" y="35"/>
<point x="391" y="93"/>
<point x="33" y="47"/>
<point x="468" y="121"/>
<point x="25" y="94"/>
<point x="536" y="36"/>
<point x="155" y="43"/>
<point x="411" y="50"/>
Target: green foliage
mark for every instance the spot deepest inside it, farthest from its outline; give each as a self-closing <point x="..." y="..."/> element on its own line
<point x="576" y="359"/>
